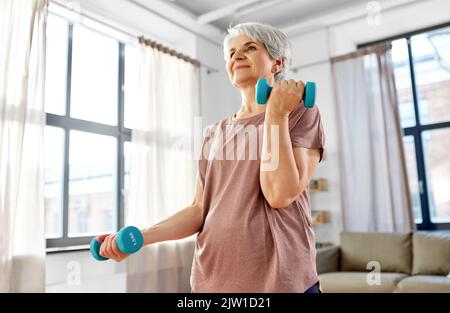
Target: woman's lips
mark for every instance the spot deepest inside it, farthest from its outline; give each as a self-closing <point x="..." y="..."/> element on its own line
<point x="241" y="67"/>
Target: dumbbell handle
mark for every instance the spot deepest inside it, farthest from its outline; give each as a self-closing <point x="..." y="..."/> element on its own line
<point x="129" y="240"/>
<point x="263" y="91"/>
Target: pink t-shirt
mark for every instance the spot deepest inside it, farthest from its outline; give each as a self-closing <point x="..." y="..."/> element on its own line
<point x="245" y="245"/>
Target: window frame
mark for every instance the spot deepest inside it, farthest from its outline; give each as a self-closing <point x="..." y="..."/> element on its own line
<point x="68" y="123"/>
<point x="417" y="130"/>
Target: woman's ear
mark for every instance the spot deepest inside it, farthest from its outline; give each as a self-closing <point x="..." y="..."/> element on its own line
<point x="279" y="64"/>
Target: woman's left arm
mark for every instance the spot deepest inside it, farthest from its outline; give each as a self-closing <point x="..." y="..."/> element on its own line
<point x="285" y="171"/>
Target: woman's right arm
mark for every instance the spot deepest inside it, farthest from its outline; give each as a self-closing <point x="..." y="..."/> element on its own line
<point x="182" y="224"/>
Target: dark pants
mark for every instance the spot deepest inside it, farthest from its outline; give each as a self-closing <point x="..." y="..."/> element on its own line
<point x="314" y="289"/>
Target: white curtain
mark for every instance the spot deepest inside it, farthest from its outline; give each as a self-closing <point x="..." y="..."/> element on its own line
<point x="374" y="184"/>
<point x="22" y="72"/>
<point x="163" y="168"/>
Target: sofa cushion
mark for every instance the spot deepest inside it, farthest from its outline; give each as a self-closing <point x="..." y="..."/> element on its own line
<point x="431" y="253"/>
<point x="357" y="282"/>
<point x="327" y="259"/>
<point x="391" y="250"/>
<point x="424" y="283"/>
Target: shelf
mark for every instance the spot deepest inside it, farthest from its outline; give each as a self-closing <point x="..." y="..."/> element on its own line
<point x="320" y="217"/>
<point x="320" y="245"/>
<point x="318" y="185"/>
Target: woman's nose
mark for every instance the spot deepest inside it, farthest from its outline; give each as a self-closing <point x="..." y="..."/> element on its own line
<point x="238" y="55"/>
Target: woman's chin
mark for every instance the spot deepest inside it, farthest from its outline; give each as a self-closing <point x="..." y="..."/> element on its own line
<point x="244" y="81"/>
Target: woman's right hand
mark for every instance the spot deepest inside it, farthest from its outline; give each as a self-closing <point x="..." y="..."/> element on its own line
<point x="109" y="248"/>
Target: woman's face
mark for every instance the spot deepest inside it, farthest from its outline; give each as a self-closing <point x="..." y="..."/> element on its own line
<point x="248" y="61"/>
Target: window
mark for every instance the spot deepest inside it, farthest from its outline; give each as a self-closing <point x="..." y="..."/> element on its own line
<point x="94" y="77"/>
<point x="53" y="191"/>
<point x="422" y="76"/>
<point x="131" y="119"/>
<point x="92" y="183"/>
<point x="56" y="65"/>
<point x="87" y="145"/>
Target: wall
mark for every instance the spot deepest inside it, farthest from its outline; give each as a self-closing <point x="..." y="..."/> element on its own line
<point x="312" y="51"/>
<point x="218" y="97"/>
<point x="346" y="36"/>
<point x="79" y="272"/>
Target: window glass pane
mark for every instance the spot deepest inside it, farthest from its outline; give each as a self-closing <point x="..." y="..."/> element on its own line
<point x="53" y="180"/>
<point x="402" y="76"/>
<point x="94" y="77"/>
<point x="92" y="184"/>
<point x="131" y="86"/>
<point x="127" y="150"/>
<point x="56" y="65"/>
<point x="413" y="180"/>
<point x="431" y="53"/>
<point x="436" y="145"/>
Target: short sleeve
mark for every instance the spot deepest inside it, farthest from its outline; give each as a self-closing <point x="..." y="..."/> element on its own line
<point x="306" y="129"/>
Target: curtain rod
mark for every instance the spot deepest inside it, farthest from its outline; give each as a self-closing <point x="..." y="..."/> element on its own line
<point x="160" y="47"/>
<point x="379" y="48"/>
<point x="141" y="39"/>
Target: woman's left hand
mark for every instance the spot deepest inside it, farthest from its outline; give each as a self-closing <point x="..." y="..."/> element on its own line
<point x="285" y="97"/>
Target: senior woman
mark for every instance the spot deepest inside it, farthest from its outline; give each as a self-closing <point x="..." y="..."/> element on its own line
<point x="252" y="213"/>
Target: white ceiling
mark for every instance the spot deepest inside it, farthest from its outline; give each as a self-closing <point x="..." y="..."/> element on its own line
<point x="279" y="13"/>
<point x="209" y="19"/>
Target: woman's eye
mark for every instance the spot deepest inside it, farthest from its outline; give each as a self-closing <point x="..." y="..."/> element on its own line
<point x="248" y="48"/>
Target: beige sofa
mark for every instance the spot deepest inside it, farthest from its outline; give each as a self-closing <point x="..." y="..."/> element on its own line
<point x="411" y="262"/>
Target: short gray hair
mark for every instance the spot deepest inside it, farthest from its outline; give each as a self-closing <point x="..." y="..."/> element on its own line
<point x="275" y="41"/>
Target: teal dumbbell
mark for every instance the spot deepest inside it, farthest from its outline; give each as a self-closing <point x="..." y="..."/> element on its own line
<point x="129" y="240"/>
<point x="263" y="91"/>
